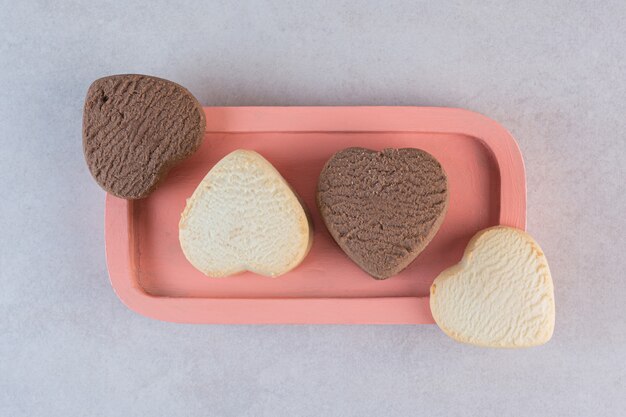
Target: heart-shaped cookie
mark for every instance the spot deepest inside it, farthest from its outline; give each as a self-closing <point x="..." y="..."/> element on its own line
<point x="244" y="216"/>
<point x="382" y="208"/>
<point x="135" y="128"/>
<point x="499" y="295"/>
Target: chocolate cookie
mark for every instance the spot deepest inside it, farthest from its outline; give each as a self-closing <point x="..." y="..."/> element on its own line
<point x="135" y="128"/>
<point x="382" y="208"/>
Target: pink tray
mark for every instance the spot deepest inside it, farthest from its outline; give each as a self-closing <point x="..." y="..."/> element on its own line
<point x="151" y="275"/>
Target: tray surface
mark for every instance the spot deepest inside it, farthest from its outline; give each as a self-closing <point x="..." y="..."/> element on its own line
<point x="151" y="275"/>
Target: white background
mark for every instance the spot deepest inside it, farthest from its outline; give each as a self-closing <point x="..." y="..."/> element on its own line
<point x="553" y="73"/>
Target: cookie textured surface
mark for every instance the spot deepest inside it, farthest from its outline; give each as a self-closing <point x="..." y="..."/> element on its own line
<point x="135" y="128"/>
<point x="500" y="294"/>
<point x="382" y="208"/>
<point x="244" y="216"/>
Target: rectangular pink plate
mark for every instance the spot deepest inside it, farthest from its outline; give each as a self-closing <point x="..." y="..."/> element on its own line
<point x="152" y="277"/>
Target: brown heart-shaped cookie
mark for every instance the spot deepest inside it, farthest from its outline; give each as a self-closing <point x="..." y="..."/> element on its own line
<point x="382" y="208"/>
<point x="135" y="128"/>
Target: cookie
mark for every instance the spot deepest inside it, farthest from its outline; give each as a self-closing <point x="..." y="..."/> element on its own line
<point x="382" y="208"/>
<point x="244" y="216"/>
<point x="499" y="295"/>
<point x="135" y="128"/>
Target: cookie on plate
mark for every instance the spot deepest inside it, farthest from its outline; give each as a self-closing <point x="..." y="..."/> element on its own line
<point x="244" y="216"/>
<point x="382" y="208"/>
<point x="135" y="128"/>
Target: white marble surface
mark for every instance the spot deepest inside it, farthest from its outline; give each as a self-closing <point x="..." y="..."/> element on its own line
<point x="553" y="73"/>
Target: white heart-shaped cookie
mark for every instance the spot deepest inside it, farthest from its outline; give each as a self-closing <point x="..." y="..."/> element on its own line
<point x="244" y="216"/>
<point x="499" y="295"/>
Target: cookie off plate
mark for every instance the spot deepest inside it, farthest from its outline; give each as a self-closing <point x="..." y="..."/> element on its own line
<point x="151" y="275"/>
